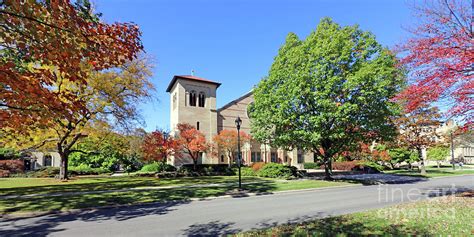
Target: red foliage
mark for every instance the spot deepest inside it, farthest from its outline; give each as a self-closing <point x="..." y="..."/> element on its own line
<point x="226" y="142"/>
<point x="440" y="59"/>
<point x="191" y="141"/>
<point x="57" y="35"/>
<point x="158" y="146"/>
<point x="257" y="166"/>
<point x="11" y="166"/>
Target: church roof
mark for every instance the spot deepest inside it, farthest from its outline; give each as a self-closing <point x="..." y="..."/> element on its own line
<point x="191" y="78"/>
<point x="236" y="100"/>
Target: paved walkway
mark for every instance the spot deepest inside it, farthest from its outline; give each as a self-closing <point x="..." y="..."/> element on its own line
<point x="230" y="215"/>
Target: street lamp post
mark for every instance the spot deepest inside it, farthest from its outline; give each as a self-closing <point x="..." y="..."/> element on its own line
<point x="452" y="151"/>
<point x="238" y="122"/>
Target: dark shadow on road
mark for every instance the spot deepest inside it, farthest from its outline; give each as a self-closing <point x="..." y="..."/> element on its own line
<point x="47" y="224"/>
<point x="213" y="228"/>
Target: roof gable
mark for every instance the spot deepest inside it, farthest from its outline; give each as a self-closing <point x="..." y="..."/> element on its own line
<point x="190" y="78"/>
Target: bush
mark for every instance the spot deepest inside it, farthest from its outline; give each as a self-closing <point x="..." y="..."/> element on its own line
<point x="45" y="172"/>
<point x="86" y="170"/>
<point x="311" y="165"/>
<point x="158" y="167"/>
<point x="246" y="171"/>
<point x="206" y="169"/>
<point x="275" y="170"/>
<point x="257" y="166"/>
<point x="370" y="167"/>
<point x="8" y="167"/>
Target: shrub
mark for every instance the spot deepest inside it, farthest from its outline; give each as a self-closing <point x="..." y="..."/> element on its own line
<point x="275" y="170"/>
<point x="257" y="166"/>
<point x="206" y="169"/>
<point x="158" y="167"/>
<point x="45" y="172"/>
<point x="84" y="169"/>
<point x="311" y="166"/>
<point x="370" y="166"/>
<point x="4" y="173"/>
<point x="246" y="171"/>
<point x="8" y="167"/>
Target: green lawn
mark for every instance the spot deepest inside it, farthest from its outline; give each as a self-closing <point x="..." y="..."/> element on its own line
<point x="445" y="216"/>
<point x="432" y="172"/>
<point x="54" y="194"/>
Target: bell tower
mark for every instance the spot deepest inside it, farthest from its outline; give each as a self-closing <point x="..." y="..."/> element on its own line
<point x="193" y="101"/>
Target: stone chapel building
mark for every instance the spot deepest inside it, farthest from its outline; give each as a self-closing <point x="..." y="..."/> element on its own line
<point x="193" y="101"/>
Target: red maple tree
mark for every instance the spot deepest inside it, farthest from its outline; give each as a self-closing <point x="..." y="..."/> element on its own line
<point x="440" y="58"/>
<point x="159" y="146"/>
<point x="192" y="142"/>
<point x="226" y="142"/>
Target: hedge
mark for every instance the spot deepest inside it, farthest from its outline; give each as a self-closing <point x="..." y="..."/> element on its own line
<point x="8" y="167"/>
<point x="311" y="165"/>
<point x="275" y="170"/>
<point x="206" y="169"/>
<point x="158" y="167"/>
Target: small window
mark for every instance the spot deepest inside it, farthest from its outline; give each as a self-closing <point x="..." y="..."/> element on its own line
<point x="256" y="156"/>
<point x="192" y="98"/>
<point x="300" y="157"/>
<point x="197" y="125"/>
<point x="274" y="157"/>
<point x="48" y="160"/>
<point x="174" y="101"/>
<point x="202" y="99"/>
<point x="222" y="158"/>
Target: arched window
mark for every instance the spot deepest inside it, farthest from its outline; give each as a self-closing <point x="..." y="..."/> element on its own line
<point x="192" y="98"/>
<point x="202" y="99"/>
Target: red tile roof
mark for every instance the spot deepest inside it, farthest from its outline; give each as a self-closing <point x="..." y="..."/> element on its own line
<point x="191" y="78"/>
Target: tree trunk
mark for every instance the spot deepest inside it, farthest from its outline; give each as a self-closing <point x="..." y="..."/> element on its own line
<point x="195" y="161"/>
<point x="438" y="164"/>
<point x="63" y="166"/>
<point x="422" y="159"/>
<point x="327" y="168"/>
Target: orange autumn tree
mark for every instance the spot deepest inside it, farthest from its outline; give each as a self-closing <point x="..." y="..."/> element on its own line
<point x="417" y="131"/>
<point x="63" y="71"/>
<point x="191" y="142"/>
<point x="159" y="146"/>
<point x="226" y="142"/>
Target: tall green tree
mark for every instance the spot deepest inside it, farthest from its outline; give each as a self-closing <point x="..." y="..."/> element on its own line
<point x="328" y="92"/>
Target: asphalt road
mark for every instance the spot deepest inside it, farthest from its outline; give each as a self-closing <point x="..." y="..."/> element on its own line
<point x="229" y="215"/>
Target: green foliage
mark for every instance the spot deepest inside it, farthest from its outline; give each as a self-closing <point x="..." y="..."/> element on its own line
<point x="8" y="153"/>
<point x="158" y="167"/>
<point x="274" y="170"/>
<point x="438" y="153"/>
<point x="246" y="171"/>
<point x="311" y="165"/>
<point x="86" y="170"/>
<point x="45" y="172"/>
<point x="374" y="165"/>
<point x="399" y="155"/>
<point x="106" y="152"/>
<point x="206" y="170"/>
<point x="329" y="91"/>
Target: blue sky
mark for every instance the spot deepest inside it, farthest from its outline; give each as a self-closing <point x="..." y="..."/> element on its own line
<point x="234" y="42"/>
